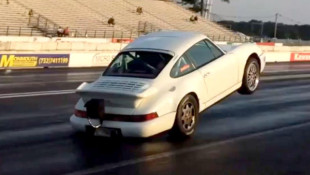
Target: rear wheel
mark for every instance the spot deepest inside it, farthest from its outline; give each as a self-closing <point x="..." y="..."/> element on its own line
<point x="251" y="77"/>
<point x="186" y="117"/>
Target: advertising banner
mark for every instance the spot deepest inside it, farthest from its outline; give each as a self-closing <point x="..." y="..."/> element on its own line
<point x="34" y="60"/>
<point x="297" y="57"/>
<point x="103" y="59"/>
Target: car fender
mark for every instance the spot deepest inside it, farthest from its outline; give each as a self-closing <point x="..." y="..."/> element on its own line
<point x="80" y="105"/>
<point x="170" y="94"/>
<point x="195" y="86"/>
<point x="243" y="53"/>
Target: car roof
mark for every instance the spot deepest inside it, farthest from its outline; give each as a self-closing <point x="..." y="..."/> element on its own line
<point x="172" y="41"/>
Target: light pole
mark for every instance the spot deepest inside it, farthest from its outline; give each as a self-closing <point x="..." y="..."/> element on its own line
<point x="262" y="29"/>
<point x="276" y="26"/>
<point x="209" y="8"/>
<point x="202" y="7"/>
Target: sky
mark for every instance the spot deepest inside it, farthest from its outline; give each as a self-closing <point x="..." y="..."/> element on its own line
<point x="292" y="11"/>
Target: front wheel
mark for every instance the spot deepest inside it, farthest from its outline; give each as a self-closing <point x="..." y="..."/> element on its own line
<point x="186" y="118"/>
<point x="251" y="77"/>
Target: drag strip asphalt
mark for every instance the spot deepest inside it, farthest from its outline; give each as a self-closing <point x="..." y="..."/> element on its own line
<point x="265" y="133"/>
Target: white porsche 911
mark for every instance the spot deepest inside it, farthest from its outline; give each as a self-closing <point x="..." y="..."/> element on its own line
<point x="161" y="82"/>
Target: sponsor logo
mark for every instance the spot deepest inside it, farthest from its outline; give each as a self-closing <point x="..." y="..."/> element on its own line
<point x="34" y="60"/>
<point x="6" y="60"/>
<point x="103" y="59"/>
<point x="18" y="61"/>
<point x="295" y="57"/>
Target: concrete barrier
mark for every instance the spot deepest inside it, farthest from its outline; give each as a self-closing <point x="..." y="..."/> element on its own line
<point x="11" y="60"/>
<point x="92" y="59"/>
<point x="280" y="53"/>
<point x="25" y="46"/>
<point x="59" y="46"/>
<point x="277" y="56"/>
<point x="84" y="52"/>
<point x="5" y="46"/>
<point x="49" y="46"/>
<point x="47" y="39"/>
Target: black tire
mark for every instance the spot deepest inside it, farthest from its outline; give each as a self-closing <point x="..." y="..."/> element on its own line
<point x="249" y="87"/>
<point x="188" y="104"/>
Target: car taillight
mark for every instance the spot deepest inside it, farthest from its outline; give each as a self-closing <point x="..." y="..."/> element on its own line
<point x="80" y="113"/>
<point x="142" y="118"/>
<point x="123" y="118"/>
<point x="130" y="118"/>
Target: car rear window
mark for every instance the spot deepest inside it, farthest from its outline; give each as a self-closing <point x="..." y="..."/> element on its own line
<point x="140" y="64"/>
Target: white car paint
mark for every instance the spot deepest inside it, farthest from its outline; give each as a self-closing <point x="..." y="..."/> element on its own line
<point x="162" y="95"/>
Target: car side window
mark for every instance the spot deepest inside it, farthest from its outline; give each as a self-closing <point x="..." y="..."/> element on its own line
<point x="181" y="67"/>
<point x="201" y="54"/>
<point x="216" y="51"/>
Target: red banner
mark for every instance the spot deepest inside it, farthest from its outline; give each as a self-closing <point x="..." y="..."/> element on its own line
<point x="299" y="57"/>
<point x="122" y="40"/>
<point x="266" y="44"/>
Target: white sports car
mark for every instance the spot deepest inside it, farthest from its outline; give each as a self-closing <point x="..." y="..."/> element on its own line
<point x="161" y="82"/>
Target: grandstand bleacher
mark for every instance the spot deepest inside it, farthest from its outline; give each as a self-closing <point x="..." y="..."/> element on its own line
<point x="14" y="20"/>
<point x="89" y="18"/>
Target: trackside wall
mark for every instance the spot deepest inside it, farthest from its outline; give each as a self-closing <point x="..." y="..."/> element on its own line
<point x="39" y="52"/>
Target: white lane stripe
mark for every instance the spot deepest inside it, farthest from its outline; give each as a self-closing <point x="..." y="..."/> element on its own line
<point x="81" y="73"/>
<point x="286" y="71"/>
<point x="125" y="163"/>
<point x="47" y="82"/>
<point x="51" y="75"/>
<point x="284" y="77"/>
<point x="39" y="93"/>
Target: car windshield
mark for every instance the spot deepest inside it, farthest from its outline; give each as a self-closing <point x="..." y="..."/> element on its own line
<point x="139" y="64"/>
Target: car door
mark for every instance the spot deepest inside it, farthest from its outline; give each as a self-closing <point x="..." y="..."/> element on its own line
<point x="187" y="77"/>
<point x="218" y="70"/>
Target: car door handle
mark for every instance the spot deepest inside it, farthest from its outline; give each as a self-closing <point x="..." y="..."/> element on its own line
<point x="206" y="74"/>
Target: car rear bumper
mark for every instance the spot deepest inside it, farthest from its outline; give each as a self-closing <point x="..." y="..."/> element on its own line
<point x="131" y="129"/>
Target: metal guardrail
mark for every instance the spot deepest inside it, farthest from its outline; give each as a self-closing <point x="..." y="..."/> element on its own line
<point x="47" y="28"/>
<point x="104" y="34"/>
<point x="286" y="42"/>
<point x="37" y="20"/>
<point x="19" y="31"/>
<point x="147" y="27"/>
<point x="52" y="32"/>
<point x="235" y="38"/>
<point x="42" y="23"/>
